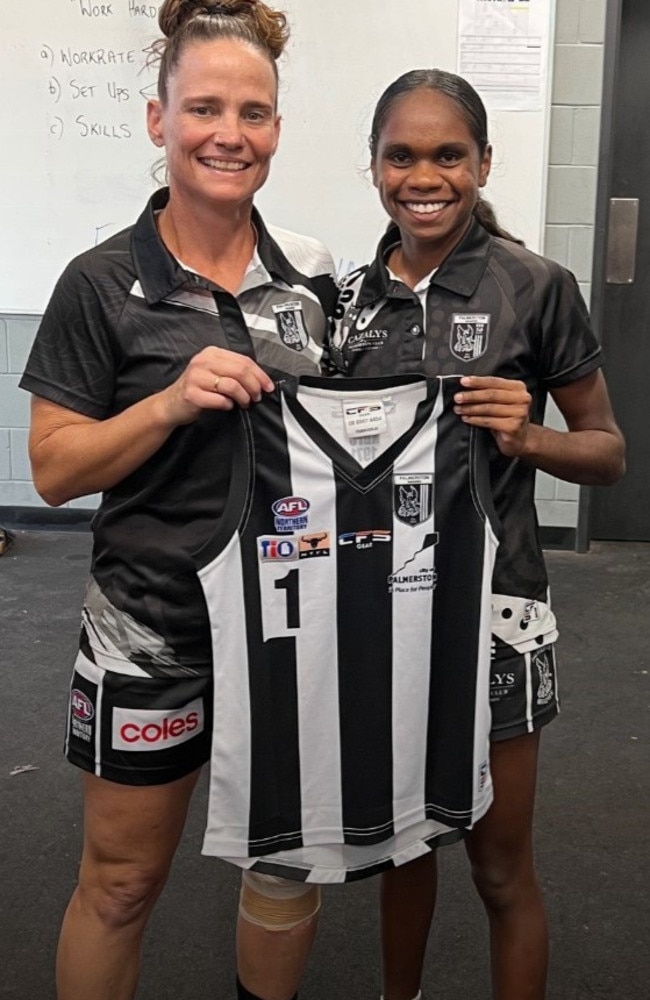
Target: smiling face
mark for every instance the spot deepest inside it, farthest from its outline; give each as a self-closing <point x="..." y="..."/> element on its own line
<point x="428" y="170"/>
<point x="219" y="125"/>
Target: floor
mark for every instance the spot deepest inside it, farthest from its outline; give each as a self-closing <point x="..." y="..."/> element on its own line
<point x="592" y="819"/>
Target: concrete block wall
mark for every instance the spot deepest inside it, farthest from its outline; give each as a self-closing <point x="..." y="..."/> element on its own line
<point x="571" y="192"/>
<point x="16" y="488"/>
<point x="575" y="118"/>
<point x="16" y="335"/>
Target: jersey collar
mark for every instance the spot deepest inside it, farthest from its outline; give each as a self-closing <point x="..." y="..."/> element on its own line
<point x="159" y="272"/>
<point x="460" y="273"/>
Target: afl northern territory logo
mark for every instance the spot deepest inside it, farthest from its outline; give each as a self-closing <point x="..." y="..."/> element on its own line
<point x="468" y="339"/>
<point x="81" y="706"/>
<point x="291" y="514"/>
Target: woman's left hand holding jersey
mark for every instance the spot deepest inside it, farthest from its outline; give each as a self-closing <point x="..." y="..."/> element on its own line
<point x="589" y="454"/>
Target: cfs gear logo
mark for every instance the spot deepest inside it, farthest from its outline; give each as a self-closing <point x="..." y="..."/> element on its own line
<point x="364" y="418"/>
<point x="291" y="325"/>
<point x="140" y="729"/>
<point x="291" y="514"/>
<point x="365" y="539"/>
<point x="311" y="546"/>
<point x="469" y="335"/>
<point x="363" y="409"/>
<point x="272" y="548"/>
<point x="413" y="497"/>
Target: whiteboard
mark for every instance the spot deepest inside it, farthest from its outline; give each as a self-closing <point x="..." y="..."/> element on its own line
<point x="76" y="162"/>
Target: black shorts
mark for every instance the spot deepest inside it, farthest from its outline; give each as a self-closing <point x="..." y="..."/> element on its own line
<point x="136" y="729"/>
<point x="130" y="727"/>
<point x="523" y="689"/>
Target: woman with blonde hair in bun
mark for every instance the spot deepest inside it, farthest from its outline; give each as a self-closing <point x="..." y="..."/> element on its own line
<point x="149" y="341"/>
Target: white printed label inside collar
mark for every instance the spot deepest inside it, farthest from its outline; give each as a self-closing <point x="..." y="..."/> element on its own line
<point x="364" y="417"/>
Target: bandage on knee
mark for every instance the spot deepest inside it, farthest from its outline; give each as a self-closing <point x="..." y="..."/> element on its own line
<point x="277" y="904"/>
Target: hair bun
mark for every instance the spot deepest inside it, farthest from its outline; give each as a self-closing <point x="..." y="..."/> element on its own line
<point x="183" y="21"/>
<point x="229" y="6"/>
<point x="173" y="14"/>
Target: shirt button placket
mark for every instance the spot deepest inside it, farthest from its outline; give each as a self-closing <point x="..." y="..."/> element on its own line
<point x="412" y="344"/>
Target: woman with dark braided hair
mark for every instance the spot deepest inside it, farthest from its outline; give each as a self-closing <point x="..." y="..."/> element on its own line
<point x="450" y="292"/>
<point x="148" y="344"/>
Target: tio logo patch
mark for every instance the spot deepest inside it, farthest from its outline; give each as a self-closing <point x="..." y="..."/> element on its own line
<point x="273" y="548"/>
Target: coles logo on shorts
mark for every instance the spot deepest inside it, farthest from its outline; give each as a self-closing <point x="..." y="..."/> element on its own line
<point x="141" y="729"/>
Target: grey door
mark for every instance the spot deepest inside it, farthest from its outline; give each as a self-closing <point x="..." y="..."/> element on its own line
<point x="621" y="311"/>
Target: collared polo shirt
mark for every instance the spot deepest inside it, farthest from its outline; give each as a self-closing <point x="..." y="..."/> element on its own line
<point x="123" y="322"/>
<point x="491" y="308"/>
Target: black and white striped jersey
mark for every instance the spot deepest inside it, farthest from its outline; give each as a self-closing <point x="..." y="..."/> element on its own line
<point x="348" y="588"/>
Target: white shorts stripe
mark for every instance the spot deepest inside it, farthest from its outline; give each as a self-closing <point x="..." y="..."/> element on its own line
<point x="529" y="693"/>
<point x="86" y="668"/>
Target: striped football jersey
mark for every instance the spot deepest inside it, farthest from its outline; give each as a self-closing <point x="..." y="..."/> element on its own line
<point x="348" y="588"/>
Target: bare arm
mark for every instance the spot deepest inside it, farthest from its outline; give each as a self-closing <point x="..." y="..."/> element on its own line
<point x="73" y="455"/>
<point x="590" y="452"/>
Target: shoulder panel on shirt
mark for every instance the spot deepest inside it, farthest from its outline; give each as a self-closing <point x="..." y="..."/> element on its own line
<point x="306" y="254"/>
<point x="73" y="358"/>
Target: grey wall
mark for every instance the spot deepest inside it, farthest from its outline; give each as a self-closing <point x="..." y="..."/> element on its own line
<point x="16" y="335"/>
<point x="571" y="191"/>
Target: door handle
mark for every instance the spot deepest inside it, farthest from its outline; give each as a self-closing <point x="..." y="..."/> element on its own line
<point x="621" y="241"/>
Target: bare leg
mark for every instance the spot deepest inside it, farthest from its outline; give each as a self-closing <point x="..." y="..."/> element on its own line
<point x="500" y="849"/>
<point x="270" y="964"/>
<point x="130" y="836"/>
<point x="408" y="899"/>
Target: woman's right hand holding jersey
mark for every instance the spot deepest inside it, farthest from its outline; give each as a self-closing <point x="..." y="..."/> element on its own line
<point x="75" y="455"/>
<point x="214" y="379"/>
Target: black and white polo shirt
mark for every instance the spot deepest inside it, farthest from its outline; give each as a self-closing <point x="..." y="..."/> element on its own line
<point x="123" y="322"/>
<point x="491" y="308"/>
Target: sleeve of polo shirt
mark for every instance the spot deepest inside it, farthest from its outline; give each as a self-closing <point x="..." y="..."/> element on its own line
<point x="72" y="362"/>
<point x="569" y="349"/>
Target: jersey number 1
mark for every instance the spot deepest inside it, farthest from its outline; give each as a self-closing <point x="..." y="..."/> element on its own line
<point x="291" y="583"/>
